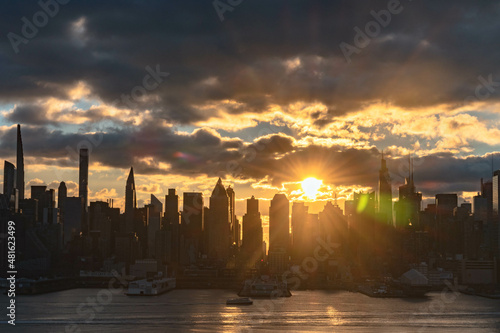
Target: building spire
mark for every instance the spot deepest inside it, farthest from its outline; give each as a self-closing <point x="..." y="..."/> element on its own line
<point x="130" y="178"/>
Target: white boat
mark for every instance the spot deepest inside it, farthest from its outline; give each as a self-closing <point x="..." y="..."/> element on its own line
<point x="150" y="287"/>
<point x="239" y="301"/>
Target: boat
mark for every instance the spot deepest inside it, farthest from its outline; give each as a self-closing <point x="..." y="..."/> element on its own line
<point x="239" y="301"/>
<point x="25" y="286"/>
<point x="150" y="287"/>
<point x="264" y="286"/>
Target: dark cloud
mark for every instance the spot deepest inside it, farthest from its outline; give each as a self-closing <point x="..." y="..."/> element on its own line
<point x="29" y="114"/>
<point x="430" y="53"/>
<point x="263" y="53"/>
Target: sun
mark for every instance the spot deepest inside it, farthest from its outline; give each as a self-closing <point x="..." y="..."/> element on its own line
<point x="311" y="186"/>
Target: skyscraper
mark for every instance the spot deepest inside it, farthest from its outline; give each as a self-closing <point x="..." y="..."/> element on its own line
<point x="408" y="207"/>
<point x="130" y="202"/>
<point x="192" y="227"/>
<point x="171" y="207"/>
<point x="171" y="223"/>
<point x="299" y="231"/>
<point x="495" y="225"/>
<point x="385" y="192"/>
<point x="496" y="193"/>
<point x="333" y="225"/>
<point x="235" y="227"/>
<point x="218" y="223"/>
<point x="279" y="223"/>
<point x="9" y="183"/>
<point x="155" y="210"/>
<point x="20" y="164"/>
<point x="62" y="194"/>
<point x="252" y="232"/>
<point x="84" y="176"/>
<point x="279" y="234"/>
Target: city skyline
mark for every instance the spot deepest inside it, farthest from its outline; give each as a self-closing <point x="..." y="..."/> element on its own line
<point x="298" y="192"/>
<point x="392" y="207"/>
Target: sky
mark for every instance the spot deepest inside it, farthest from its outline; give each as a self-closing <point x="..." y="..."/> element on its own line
<point x="262" y="94"/>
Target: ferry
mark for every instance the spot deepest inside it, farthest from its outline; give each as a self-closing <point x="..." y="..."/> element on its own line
<point x="150" y="287"/>
<point x="239" y="301"/>
<point x="265" y="286"/>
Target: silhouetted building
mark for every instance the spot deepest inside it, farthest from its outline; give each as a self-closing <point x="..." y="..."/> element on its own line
<point x="9" y="186"/>
<point x="155" y="210"/>
<point x="171" y="240"/>
<point x="496" y="193"/>
<point x="409" y="204"/>
<point x="46" y="203"/>
<point x="235" y="227"/>
<point x="171" y="207"/>
<point x="333" y="224"/>
<point x="445" y="204"/>
<point x="385" y="193"/>
<point x="84" y="176"/>
<point x="279" y="233"/>
<point x="495" y="225"/>
<point x="299" y="231"/>
<point x="279" y="222"/>
<point x="20" y="164"/>
<point x="192" y="224"/>
<point x="62" y="194"/>
<point x="73" y="217"/>
<point x="130" y="202"/>
<point x="218" y="223"/>
<point x="252" y="233"/>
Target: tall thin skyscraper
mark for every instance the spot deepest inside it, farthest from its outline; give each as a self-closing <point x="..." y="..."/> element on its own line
<point x="235" y="228"/>
<point x="385" y="192"/>
<point x="130" y="202"/>
<point x="20" y="164"/>
<point x="84" y="176"/>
